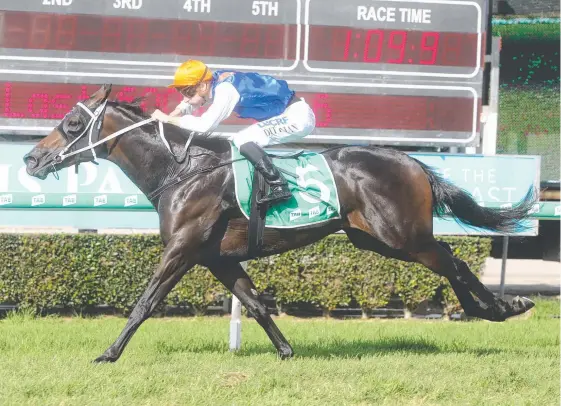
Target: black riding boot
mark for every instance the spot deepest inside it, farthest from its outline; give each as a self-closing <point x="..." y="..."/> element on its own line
<point x="278" y="186"/>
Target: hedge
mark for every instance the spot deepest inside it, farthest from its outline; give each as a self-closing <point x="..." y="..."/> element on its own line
<point x="80" y="271"/>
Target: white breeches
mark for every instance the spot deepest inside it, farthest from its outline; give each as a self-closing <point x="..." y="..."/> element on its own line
<point x="297" y="121"/>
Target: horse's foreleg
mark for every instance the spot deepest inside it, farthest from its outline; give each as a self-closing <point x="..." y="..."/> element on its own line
<point x="239" y="283"/>
<point x="174" y="264"/>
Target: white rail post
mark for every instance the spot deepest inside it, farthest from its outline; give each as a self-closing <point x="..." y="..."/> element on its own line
<point x="503" y="267"/>
<point x="236" y="320"/>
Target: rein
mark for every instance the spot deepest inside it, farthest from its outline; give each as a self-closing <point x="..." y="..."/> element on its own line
<point x="99" y="113"/>
<point x="95" y="118"/>
<point x="180" y="179"/>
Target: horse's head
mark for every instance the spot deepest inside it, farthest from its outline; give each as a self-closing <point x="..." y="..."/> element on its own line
<point x="79" y="128"/>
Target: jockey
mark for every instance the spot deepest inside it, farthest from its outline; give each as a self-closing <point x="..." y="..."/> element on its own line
<point x="281" y="116"/>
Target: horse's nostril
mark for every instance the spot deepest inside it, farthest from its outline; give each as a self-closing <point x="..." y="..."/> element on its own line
<point x="31" y="161"/>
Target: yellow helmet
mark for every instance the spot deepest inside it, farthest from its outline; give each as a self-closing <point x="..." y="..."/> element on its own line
<point x="191" y="73"/>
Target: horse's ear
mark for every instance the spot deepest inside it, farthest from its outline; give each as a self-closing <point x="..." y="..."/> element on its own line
<point x="107" y="89"/>
<point x="102" y="93"/>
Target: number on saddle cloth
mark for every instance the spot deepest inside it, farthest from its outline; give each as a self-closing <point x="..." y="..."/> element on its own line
<point x="310" y="180"/>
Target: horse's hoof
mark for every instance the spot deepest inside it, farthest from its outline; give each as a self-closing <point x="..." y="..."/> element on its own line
<point x="523" y="303"/>
<point x="517" y="306"/>
<point x="285" y="353"/>
<point x="103" y="359"/>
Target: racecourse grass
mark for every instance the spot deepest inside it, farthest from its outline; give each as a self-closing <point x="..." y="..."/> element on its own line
<point x="185" y="361"/>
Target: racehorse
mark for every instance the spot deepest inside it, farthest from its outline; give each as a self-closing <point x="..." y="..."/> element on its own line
<point x="387" y="200"/>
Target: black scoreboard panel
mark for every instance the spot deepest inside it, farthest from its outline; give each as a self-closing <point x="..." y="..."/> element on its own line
<point x="386" y="72"/>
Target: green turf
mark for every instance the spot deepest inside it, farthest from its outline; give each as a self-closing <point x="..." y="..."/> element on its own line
<point x="185" y="361"/>
<point x="527" y="31"/>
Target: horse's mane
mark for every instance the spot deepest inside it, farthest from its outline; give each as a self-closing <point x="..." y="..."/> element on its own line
<point x="133" y="110"/>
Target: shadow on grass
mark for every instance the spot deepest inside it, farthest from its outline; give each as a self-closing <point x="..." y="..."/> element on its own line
<point x="334" y="348"/>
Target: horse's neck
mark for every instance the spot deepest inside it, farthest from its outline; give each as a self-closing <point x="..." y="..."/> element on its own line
<point x="148" y="163"/>
<point x="144" y="159"/>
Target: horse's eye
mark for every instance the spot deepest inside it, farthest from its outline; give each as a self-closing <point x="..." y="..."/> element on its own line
<point x="73" y="124"/>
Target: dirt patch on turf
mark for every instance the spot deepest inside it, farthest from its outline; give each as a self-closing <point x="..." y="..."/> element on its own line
<point x="232" y="379"/>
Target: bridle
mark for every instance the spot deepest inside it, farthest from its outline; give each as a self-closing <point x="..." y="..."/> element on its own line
<point x="93" y="129"/>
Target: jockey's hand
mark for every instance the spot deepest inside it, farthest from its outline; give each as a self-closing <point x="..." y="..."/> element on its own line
<point x="161" y="116"/>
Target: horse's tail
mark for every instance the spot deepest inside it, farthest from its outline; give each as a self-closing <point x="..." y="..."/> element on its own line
<point x="449" y="199"/>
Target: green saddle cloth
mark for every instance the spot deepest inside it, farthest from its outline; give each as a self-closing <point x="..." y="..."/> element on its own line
<point x="314" y="193"/>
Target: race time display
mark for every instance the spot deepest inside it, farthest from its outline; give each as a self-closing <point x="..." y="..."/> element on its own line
<point x="386" y="72"/>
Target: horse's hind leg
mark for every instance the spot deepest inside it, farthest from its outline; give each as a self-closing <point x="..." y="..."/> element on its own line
<point x="519" y="304"/>
<point x="239" y="283"/>
<point x="174" y="264"/>
<point x="365" y="241"/>
<point x="438" y="257"/>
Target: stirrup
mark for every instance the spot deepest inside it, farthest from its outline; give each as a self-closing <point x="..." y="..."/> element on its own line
<point x="274" y="198"/>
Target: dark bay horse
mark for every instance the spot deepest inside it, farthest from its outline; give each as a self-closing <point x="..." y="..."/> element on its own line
<point x="387" y="198"/>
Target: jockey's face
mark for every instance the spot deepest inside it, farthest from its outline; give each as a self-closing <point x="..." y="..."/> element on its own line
<point x="196" y="95"/>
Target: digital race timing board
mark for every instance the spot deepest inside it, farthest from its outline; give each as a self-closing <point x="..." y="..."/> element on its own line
<point x="384" y="72"/>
